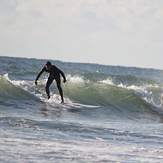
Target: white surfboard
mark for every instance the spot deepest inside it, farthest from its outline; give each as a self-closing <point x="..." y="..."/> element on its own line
<point x="79" y="106"/>
<point x="72" y="106"/>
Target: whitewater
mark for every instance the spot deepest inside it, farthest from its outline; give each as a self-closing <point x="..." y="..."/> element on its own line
<point x="125" y="127"/>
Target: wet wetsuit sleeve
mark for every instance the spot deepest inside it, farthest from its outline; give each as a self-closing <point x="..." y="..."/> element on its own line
<point x="63" y="75"/>
<point x="40" y="74"/>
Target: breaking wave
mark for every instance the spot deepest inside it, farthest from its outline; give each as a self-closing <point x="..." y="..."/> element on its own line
<point x="104" y="93"/>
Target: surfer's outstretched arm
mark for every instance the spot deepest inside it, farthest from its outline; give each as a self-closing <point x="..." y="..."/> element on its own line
<point x="39" y="76"/>
<point x="63" y="75"/>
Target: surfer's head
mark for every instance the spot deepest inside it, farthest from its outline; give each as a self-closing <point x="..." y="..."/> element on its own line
<point x="48" y="65"/>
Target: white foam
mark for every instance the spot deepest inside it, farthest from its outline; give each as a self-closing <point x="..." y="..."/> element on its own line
<point x="30" y="87"/>
<point x="146" y="95"/>
<point x="76" y="80"/>
<point x="107" y="81"/>
<point x="6" y="76"/>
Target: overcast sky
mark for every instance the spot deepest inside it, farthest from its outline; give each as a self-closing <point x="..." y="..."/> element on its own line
<point x="110" y="32"/>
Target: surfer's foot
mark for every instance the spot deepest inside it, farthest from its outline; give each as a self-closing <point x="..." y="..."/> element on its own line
<point x="62" y="102"/>
<point x="48" y="96"/>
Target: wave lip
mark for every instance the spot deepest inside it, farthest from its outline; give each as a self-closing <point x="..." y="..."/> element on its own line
<point x="15" y="90"/>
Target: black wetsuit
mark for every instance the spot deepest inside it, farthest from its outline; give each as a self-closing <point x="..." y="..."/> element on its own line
<point x="54" y="73"/>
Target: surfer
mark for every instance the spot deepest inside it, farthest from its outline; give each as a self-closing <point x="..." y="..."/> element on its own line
<point x="54" y="73"/>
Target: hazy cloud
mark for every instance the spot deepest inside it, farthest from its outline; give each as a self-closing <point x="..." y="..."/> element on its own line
<point x="65" y="26"/>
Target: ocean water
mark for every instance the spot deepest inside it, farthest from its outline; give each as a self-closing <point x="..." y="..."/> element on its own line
<point x="126" y="127"/>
